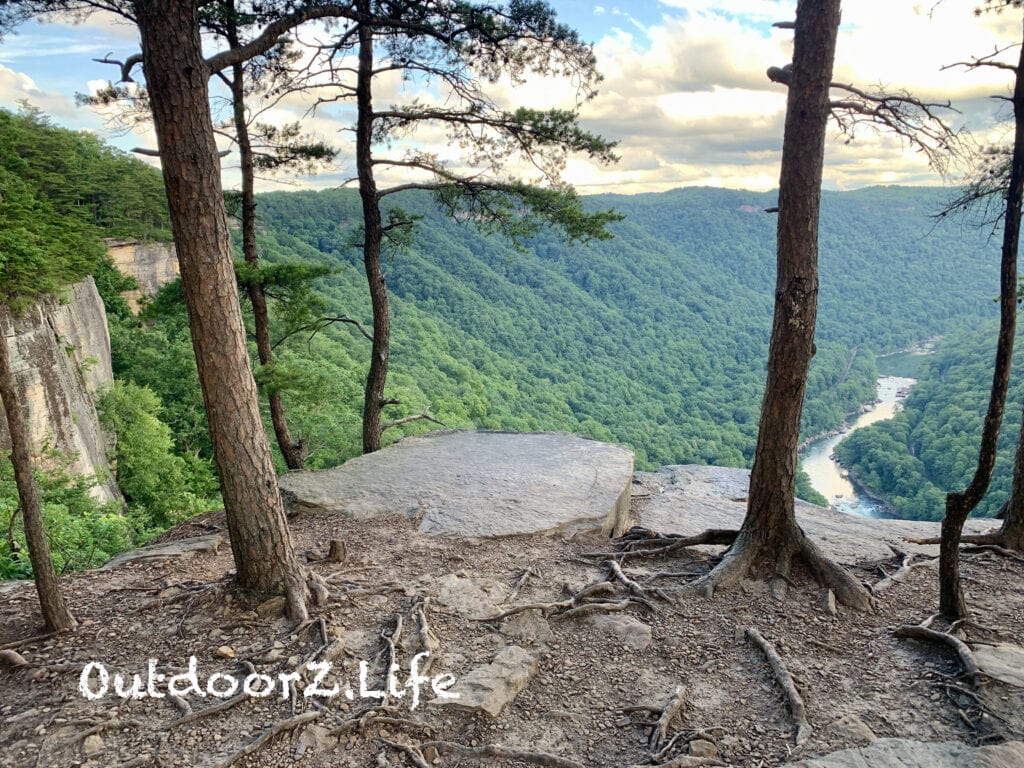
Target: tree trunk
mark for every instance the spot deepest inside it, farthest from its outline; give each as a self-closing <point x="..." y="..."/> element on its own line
<point x="959" y="504"/>
<point x="769" y="532"/>
<point x="56" y="614"/>
<point x="177" y="79"/>
<point x="773" y="477"/>
<point x="373" y="401"/>
<point x="292" y="451"/>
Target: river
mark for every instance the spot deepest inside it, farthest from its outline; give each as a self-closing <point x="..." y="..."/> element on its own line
<point x="830" y="479"/>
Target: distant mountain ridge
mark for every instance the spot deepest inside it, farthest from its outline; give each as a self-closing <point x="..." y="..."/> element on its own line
<point x="657" y="338"/>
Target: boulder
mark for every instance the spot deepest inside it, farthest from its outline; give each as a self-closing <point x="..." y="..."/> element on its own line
<point x="905" y="753"/>
<point x="168" y="550"/>
<point x="1004" y="662"/>
<point x="493" y="687"/>
<point x="478" y="484"/>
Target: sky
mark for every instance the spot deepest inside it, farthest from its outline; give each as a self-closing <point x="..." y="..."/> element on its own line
<point x="684" y="93"/>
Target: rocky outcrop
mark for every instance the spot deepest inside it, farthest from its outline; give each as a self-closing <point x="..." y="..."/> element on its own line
<point x="687" y="499"/>
<point x="905" y="753"/>
<point x="60" y="353"/>
<point x="478" y="484"/>
<point x="153" y="265"/>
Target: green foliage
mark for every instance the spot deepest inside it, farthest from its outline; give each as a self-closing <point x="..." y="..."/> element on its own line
<point x="82" y="532"/>
<point x="931" y="447"/>
<point x="155" y="482"/>
<point x="656" y="339"/>
<point x="85" y="181"/>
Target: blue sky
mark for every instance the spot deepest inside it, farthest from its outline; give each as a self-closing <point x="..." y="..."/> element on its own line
<point x="684" y="93"/>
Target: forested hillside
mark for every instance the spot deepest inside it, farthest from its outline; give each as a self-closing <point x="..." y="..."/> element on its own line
<point x="932" y="445"/>
<point x="656" y="338"/>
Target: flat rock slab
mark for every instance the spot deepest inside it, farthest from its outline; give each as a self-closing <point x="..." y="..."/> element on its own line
<point x="904" y="753"/>
<point x="1004" y="662"/>
<point x="493" y="687"/>
<point x="690" y="498"/>
<point x="478" y="484"/>
<point x="171" y="549"/>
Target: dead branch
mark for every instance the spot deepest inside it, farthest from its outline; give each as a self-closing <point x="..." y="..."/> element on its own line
<point x="987" y="60"/>
<point x="520" y="583"/>
<point x="796" y="703"/>
<point x="27" y="640"/>
<point x="668" y="713"/>
<point x="544" y="759"/>
<point x="967" y="660"/>
<point x="126" y="66"/>
<point x="278" y="728"/>
<point x="906" y="564"/>
<point x="914" y="120"/>
<point x="407" y="419"/>
<point x="634" y="588"/>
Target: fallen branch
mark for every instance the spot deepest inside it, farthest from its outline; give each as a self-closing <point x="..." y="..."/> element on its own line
<point x="643" y="542"/>
<point x="796" y="703"/>
<point x="520" y="583"/>
<point x="545" y="759"/>
<point x="668" y="714"/>
<point x="278" y="728"/>
<point x="27" y="640"/>
<point x="407" y="419"/>
<point x="906" y="565"/>
<point x="967" y="660"/>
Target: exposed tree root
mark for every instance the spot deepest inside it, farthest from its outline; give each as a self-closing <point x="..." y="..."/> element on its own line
<point x="967" y="660"/>
<point x="413" y="753"/>
<point x="221" y="706"/>
<point x="742" y="557"/>
<point x="496" y="751"/>
<point x="599" y="596"/>
<point x="906" y="564"/>
<point x="643" y="542"/>
<point x="260" y="741"/>
<point x="796" y="703"/>
<point x="520" y="583"/>
<point x="668" y="713"/>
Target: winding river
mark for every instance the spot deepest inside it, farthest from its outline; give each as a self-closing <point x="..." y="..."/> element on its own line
<point x="830" y="479"/>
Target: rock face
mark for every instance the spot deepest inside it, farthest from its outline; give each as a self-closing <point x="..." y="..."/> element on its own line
<point x="153" y="265"/>
<point x="904" y="753"/>
<point x="687" y="499"/>
<point x="478" y="484"/>
<point x="60" y="353"/>
<point x="493" y="687"/>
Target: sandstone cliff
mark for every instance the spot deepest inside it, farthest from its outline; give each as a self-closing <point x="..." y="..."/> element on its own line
<point x="60" y="352"/>
<point x="153" y="265"/>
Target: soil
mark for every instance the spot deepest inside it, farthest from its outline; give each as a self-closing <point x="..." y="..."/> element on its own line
<point x="857" y="679"/>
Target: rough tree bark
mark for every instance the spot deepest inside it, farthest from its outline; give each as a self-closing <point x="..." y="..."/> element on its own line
<point x="373" y="401"/>
<point x="56" y="614"/>
<point x="770" y="535"/>
<point x="959" y="504"/>
<point x="177" y="80"/>
<point x="292" y="450"/>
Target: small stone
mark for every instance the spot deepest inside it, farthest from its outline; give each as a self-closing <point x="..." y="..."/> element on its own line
<point x="828" y="603"/>
<point x="92" y="745"/>
<point x="272" y="608"/>
<point x="703" y="748"/>
<point x="225" y="652"/>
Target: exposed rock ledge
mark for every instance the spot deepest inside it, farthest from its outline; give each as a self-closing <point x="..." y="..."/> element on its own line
<point x="478" y="484"/>
<point x="689" y="498"/>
